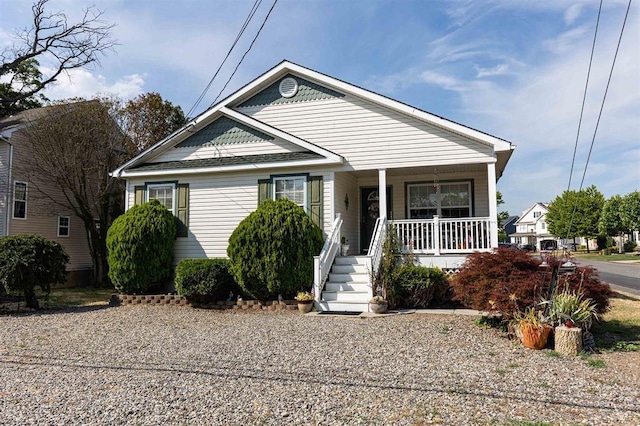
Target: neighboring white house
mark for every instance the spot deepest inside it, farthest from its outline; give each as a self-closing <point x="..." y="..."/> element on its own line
<point x="531" y="228"/>
<point x="353" y="159"/>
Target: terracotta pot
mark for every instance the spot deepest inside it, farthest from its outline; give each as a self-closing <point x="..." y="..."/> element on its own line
<point x="378" y="308"/>
<point x="534" y="337"/>
<point x="305" y="306"/>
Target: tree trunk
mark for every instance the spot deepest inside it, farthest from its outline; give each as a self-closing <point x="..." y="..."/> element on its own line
<point x="568" y="341"/>
<point x="30" y="299"/>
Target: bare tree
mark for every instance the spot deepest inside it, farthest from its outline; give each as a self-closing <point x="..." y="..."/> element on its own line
<point x="72" y="148"/>
<point x="53" y="39"/>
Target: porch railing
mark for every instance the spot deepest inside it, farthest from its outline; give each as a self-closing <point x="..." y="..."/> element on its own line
<point x="440" y="236"/>
<point x="322" y="263"/>
<point x="375" y="247"/>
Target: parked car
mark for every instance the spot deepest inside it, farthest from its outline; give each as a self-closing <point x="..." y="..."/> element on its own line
<point x="508" y="246"/>
<point x="528" y="247"/>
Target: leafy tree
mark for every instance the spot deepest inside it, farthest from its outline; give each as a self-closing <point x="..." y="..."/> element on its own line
<point x="73" y="147"/>
<point x="30" y="261"/>
<point x="140" y="244"/>
<point x="53" y="40"/>
<point x="148" y="119"/>
<point x="611" y="222"/>
<point x="502" y="216"/>
<point x="272" y="249"/>
<point x="630" y="211"/>
<point x="576" y="214"/>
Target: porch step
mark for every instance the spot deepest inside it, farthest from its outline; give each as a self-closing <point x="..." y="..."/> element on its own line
<point x="346" y="286"/>
<point x="353" y="268"/>
<point x="336" y="306"/>
<point x="346" y="296"/>
<point x="350" y="260"/>
<point x="348" y="278"/>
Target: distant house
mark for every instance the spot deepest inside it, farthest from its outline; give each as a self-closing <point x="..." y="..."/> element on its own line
<point x="354" y="160"/>
<point x="509" y="226"/>
<point x="531" y="228"/>
<point x="24" y="209"/>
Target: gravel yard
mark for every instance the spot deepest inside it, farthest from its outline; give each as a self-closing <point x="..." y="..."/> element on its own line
<point x="156" y="365"/>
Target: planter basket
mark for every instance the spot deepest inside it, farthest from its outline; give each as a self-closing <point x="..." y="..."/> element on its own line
<point x="534" y="337"/>
<point x="378" y="308"/>
<point x="305" y="306"/>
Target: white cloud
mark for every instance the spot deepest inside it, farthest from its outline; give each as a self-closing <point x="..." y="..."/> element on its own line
<point x="569" y="39"/>
<point x="490" y="72"/>
<point x="85" y="84"/>
<point x="572" y="13"/>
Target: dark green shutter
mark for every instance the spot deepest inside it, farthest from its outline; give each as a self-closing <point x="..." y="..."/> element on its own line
<point x="314" y="191"/>
<point x="264" y="190"/>
<point x="139" y="198"/>
<point x="182" y="211"/>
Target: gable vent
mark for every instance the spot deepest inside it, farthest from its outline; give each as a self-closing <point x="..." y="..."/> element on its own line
<point x="288" y="87"/>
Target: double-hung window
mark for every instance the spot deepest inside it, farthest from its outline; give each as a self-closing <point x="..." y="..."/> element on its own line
<point x="64" y="225"/>
<point x="164" y="193"/>
<point x="293" y="188"/>
<point x="20" y="200"/>
<point x="447" y="200"/>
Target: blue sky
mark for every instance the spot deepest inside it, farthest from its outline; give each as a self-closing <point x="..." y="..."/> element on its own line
<point x="514" y="69"/>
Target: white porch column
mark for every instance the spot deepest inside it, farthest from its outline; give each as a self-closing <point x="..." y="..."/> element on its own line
<point x="493" y="206"/>
<point x="382" y="192"/>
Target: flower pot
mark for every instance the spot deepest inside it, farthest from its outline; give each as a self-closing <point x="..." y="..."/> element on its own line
<point x="534" y="337"/>
<point x="305" y="306"/>
<point x="378" y="308"/>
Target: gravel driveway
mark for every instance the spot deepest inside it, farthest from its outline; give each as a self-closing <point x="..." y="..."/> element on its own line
<point x="144" y="365"/>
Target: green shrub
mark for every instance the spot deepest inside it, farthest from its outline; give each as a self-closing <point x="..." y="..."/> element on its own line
<point x="140" y="245"/>
<point x="205" y="280"/>
<point x="630" y="246"/>
<point x="419" y="286"/>
<point x="272" y="249"/>
<point x="27" y="261"/>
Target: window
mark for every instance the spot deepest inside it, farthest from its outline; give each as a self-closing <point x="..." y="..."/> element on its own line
<point x="64" y="223"/>
<point x="536" y="214"/>
<point x="164" y="193"/>
<point x="543" y="225"/>
<point x="20" y="200"/>
<point x="293" y="188"/>
<point x="453" y="200"/>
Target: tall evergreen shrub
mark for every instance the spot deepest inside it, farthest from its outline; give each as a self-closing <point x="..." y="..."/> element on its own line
<point x="140" y="245"/>
<point x="30" y="261"/>
<point x="272" y="249"/>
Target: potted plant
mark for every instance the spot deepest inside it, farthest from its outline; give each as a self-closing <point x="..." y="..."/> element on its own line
<point x="378" y="305"/>
<point x="305" y="301"/>
<point x="532" y="327"/>
<point x="344" y="246"/>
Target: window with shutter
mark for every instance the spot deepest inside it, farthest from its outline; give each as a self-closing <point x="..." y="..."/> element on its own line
<point x="174" y="197"/>
<point x="306" y="191"/>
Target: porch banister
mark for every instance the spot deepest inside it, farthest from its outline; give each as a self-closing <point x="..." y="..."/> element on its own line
<point x="323" y="262"/>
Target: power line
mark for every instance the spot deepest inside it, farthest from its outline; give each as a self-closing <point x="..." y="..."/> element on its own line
<point x="595" y="131"/>
<point x="245" y="53"/>
<point x="252" y="12"/>
<point x="584" y="96"/>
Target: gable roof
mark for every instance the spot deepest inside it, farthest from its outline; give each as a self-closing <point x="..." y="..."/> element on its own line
<point x="314" y="84"/>
<point x="526" y="212"/>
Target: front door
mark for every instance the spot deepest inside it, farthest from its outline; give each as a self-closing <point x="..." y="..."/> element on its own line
<point x="370" y="212"/>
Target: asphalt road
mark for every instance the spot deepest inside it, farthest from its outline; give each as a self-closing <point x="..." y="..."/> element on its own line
<point x="621" y="276"/>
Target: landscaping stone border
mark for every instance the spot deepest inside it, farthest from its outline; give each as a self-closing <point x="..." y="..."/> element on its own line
<point x="172" y="299"/>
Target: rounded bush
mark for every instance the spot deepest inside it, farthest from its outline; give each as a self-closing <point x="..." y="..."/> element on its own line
<point x="205" y="280"/>
<point x="140" y="245"/>
<point x="272" y="249"/>
<point x="419" y="286"/>
<point x="30" y="261"/>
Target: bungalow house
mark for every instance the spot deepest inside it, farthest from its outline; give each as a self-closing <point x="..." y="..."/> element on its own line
<point x="532" y="230"/>
<point x="356" y="161"/>
<point x="25" y="209"/>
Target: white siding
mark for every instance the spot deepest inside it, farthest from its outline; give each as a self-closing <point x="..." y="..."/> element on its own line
<point x="217" y="204"/>
<point x="227" y="150"/>
<point x="346" y="183"/>
<point x="370" y="136"/>
<point x="4" y="185"/>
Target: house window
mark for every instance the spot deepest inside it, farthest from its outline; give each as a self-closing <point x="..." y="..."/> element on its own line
<point x="453" y="200"/>
<point x="164" y="193"/>
<point x="543" y="225"/>
<point x="64" y="224"/>
<point x="20" y="200"/>
<point x="293" y="188"/>
<point x="536" y="214"/>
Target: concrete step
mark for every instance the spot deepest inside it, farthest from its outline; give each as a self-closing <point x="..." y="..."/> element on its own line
<point x="350" y="260"/>
<point x="343" y="286"/>
<point x="349" y="269"/>
<point x="334" y="306"/>
<point x="348" y="278"/>
<point x="346" y="296"/>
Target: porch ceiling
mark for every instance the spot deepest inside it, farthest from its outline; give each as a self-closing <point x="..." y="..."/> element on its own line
<point x="462" y="168"/>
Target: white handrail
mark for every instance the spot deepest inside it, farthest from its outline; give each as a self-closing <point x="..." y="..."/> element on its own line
<point x="375" y="248"/>
<point x="322" y="263"/>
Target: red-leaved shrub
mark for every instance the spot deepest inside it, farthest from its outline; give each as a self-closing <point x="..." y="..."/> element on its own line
<point x="508" y="280"/>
